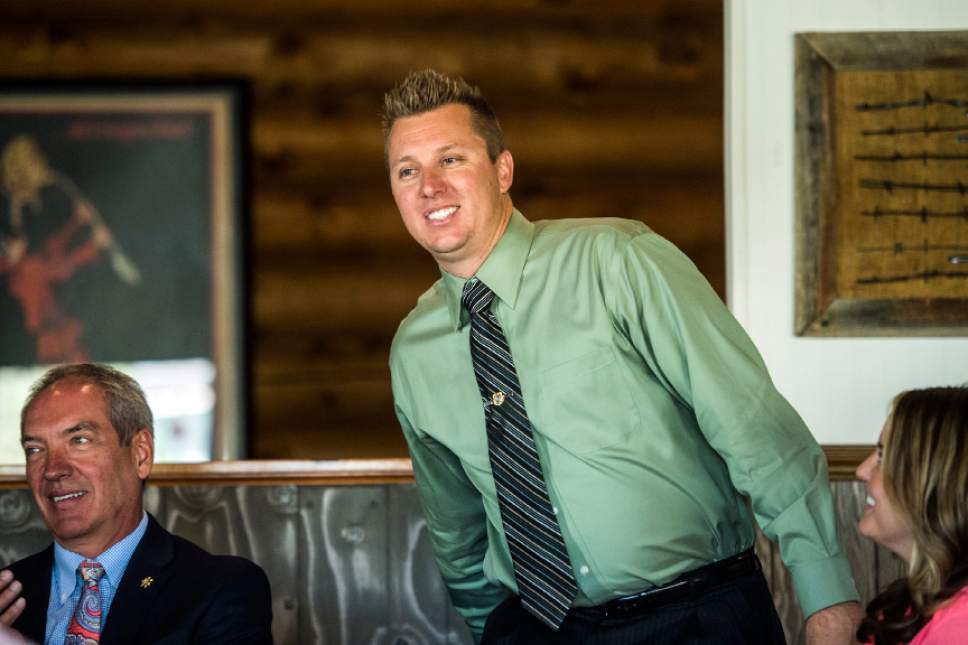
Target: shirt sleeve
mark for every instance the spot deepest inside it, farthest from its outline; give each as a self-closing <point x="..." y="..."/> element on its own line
<point x="457" y="526"/>
<point x="704" y="358"/>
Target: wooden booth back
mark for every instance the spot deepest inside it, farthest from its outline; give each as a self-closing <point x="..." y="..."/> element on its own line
<point x="353" y="564"/>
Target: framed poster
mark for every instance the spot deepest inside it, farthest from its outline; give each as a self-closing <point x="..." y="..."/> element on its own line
<point x="882" y="184"/>
<point x="121" y="231"/>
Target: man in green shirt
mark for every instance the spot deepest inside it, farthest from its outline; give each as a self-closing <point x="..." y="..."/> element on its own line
<point x="651" y="412"/>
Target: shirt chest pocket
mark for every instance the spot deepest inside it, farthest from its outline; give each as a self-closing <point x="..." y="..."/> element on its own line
<point x="584" y="404"/>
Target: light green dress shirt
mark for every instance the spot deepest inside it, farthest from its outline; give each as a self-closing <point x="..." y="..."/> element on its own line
<point x="653" y="416"/>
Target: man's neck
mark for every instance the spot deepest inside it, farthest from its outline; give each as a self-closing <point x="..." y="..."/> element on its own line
<point x="93" y="547"/>
<point x="469" y="267"/>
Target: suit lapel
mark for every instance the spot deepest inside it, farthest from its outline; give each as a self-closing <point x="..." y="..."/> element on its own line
<point x="32" y="623"/>
<point x="146" y="575"/>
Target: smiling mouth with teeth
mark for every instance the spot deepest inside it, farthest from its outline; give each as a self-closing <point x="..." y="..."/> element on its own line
<point x="441" y="213"/>
<point x="61" y="498"/>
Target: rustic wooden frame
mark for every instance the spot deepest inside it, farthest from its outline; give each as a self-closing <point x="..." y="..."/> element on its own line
<point x="820" y="310"/>
<point x="219" y="163"/>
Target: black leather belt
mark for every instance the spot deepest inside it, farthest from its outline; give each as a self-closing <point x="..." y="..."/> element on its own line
<point x="687" y="586"/>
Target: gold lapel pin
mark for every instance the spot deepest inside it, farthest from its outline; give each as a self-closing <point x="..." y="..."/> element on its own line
<point x="146" y="582"/>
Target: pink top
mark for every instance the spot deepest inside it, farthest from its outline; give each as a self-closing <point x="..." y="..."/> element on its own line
<point x="948" y="625"/>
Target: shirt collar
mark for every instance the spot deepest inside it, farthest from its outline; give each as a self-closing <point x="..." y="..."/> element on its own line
<point x="114" y="560"/>
<point x="501" y="270"/>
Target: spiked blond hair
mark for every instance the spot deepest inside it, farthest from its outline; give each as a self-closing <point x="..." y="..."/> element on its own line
<point x="428" y="90"/>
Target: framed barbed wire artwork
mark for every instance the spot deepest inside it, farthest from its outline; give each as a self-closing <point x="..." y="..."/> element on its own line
<point x="121" y="219"/>
<point x="882" y="184"/>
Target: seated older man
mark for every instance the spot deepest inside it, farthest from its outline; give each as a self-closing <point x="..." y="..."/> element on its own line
<point x="113" y="574"/>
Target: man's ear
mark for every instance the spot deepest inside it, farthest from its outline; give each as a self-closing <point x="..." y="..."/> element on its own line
<point x="505" y="170"/>
<point x="143" y="449"/>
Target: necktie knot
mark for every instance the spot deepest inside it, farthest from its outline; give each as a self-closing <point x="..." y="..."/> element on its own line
<point x="477" y="296"/>
<point x="90" y="571"/>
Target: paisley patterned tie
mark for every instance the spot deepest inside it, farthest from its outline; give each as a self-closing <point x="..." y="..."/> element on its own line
<point x="85" y="625"/>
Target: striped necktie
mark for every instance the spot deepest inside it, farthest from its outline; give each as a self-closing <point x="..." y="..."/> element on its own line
<point x="542" y="569"/>
<point x="85" y="625"/>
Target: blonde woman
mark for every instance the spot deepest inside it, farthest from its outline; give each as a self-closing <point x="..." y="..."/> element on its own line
<point x="917" y="506"/>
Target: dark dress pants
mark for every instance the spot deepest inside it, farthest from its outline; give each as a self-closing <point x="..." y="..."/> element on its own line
<point x="737" y="612"/>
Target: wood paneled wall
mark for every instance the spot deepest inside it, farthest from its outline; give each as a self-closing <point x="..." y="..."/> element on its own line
<point x="353" y="564"/>
<point x="610" y="108"/>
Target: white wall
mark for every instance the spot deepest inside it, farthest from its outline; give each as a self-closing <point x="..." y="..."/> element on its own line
<point x="841" y="386"/>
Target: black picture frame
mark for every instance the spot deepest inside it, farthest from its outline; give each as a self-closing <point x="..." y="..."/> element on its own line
<point x="122" y="234"/>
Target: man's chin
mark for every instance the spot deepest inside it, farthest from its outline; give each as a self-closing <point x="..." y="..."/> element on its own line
<point x="446" y="248"/>
<point x="68" y="529"/>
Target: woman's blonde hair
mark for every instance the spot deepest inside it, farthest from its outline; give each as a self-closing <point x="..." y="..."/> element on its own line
<point x="925" y="472"/>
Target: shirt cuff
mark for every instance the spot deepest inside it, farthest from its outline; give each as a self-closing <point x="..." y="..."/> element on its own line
<point x="823" y="583"/>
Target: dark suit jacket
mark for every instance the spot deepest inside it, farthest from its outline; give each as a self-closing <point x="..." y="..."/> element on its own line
<point x="193" y="596"/>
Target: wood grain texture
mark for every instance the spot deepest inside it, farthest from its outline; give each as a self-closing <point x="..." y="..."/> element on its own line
<point x="843" y="460"/>
<point x="610" y="108"/>
<point x="353" y="564"/>
<point x="842" y="463"/>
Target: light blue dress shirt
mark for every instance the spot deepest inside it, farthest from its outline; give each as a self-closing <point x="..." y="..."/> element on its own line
<point x="65" y="583"/>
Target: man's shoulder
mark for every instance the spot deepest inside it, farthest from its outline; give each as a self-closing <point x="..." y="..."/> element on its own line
<point x="189" y="555"/>
<point x="600" y="236"/>
<point x="204" y="579"/>
<point x="190" y="561"/>
<point x="608" y="239"/>
<point x="201" y="596"/>
<point x="592" y="228"/>
<point x="187" y="552"/>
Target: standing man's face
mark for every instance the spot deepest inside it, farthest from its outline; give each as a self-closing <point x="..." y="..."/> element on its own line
<point x="85" y="483"/>
<point x="453" y="200"/>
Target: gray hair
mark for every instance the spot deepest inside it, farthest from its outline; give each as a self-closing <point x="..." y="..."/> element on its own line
<point x="127" y="408"/>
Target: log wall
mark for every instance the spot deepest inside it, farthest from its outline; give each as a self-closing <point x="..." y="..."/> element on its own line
<point x="610" y="108"/>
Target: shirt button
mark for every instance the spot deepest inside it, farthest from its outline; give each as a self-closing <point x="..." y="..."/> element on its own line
<point x="554" y="509"/>
<point x="583" y="569"/>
